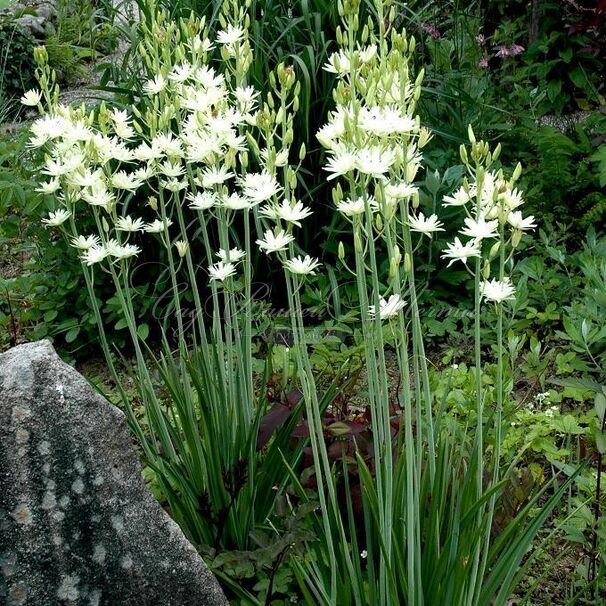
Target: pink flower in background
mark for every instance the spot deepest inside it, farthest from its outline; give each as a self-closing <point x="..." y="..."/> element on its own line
<point x="483" y="62"/>
<point x="432" y="30"/>
<point x="509" y="51"/>
<point x="480" y="40"/>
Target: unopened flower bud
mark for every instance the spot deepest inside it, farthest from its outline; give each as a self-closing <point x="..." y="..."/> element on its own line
<point x="486" y="270"/>
<point x="497" y="152"/>
<point x="41" y="55"/>
<point x="105" y="225"/>
<point x="470" y="134"/>
<point x="424" y="137"/>
<point x="517" y="172"/>
<point x="494" y="250"/>
<point x="393" y="268"/>
<point x="341" y="252"/>
<point x="463" y="154"/>
<point x="358" y="242"/>
<point x="516" y="237"/>
<point x="153" y="203"/>
<point x="302" y="152"/>
<point x="407" y="263"/>
<point x="292" y="178"/>
<point x="182" y="247"/>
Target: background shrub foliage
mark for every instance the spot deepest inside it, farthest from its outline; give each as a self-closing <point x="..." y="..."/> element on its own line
<point x="529" y="75"/>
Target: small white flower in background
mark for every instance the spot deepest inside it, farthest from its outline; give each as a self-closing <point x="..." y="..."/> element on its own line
<point x="77" y="132"/>
<point x="338" y="63"/>
<point x="293" y="214"/>
<point x="330" y="132"/>
<point x="237" y="201"/>
<point x="144" y="173"/>
<point x="375" y="161"/>
<point x="232" y="256"/>
<point x="541" y="398"/>
<point x="367" y="53"/>
<point x="57" y="218"/>
<point x="182" y="247"/>
<point x="49" y="187"/>
<point x="99" y="196"/>
<point x="275" y="242"/>
<point x="302" y="266"/>
<point x="86" y="242"/>
<point x="260" y="187"/>
<point x="351" y="208"/>
<point x="219" y="271"/>
<point x="400" y="190"/>
<point x="230" y="35"/>
<point x="171" y="169"/>
<point x="157" y="226"/>
<point x="168" y="145"/>
<point x="129" y="224"/>
<point x="181" y="72"/>
<point x="511" y="199"/>
<point x="364" y="554"/>
<point x="480" y="229"/>
<point x="95" y="254"/>
<point x="155" y="86"/>
<point x="121" y="251"/>
<point x="47" y="128"/>
<point x="385" y="121"/>
<point x="342" y="162"/>
<point x="387" y="207"/>
<point x="215" y="175"/>
<point x="425" y="225"/>
<point x="459" y="197"/>
<point x="86" y="178"/>
<point x="174" y="185"/>
<point x="122" y="180"/>
<point x="199" y="45"/>
<point x="246" y="98"/>
<point x="281" y="158"/>
<point x="457" y="251"/>
<point x="145" y="153"/>
<point x="517" y="221"/>
<point x="56" y="168"/>
<point x="388" y="309"/>
<point x="497" y="290"/>
<point x="121" y="126"/>
<point x="202" y="200"/>
<point x="31" y="98"/>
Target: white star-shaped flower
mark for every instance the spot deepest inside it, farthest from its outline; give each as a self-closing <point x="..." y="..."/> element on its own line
<point x="425" y="225"/>
<point x="57" y="217"/>
<point x="220" y="271"/>
<point x="388" y="308"/>
<point x="497" y="290"/>
<point x="275" y="242"/>
<point x="302" y="265"/>
<point x="457" y="251"/>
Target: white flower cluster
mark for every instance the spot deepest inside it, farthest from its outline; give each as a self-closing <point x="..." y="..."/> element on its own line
<point x="110" y="161"/>
<point x="493" y="218"/>
<point x="373" y="140"/>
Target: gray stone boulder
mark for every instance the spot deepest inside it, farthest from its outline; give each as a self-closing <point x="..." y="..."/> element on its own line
<point x="77" y="523"/>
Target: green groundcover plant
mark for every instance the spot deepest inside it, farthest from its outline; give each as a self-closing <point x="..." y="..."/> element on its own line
<point x="204" y="166"/>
